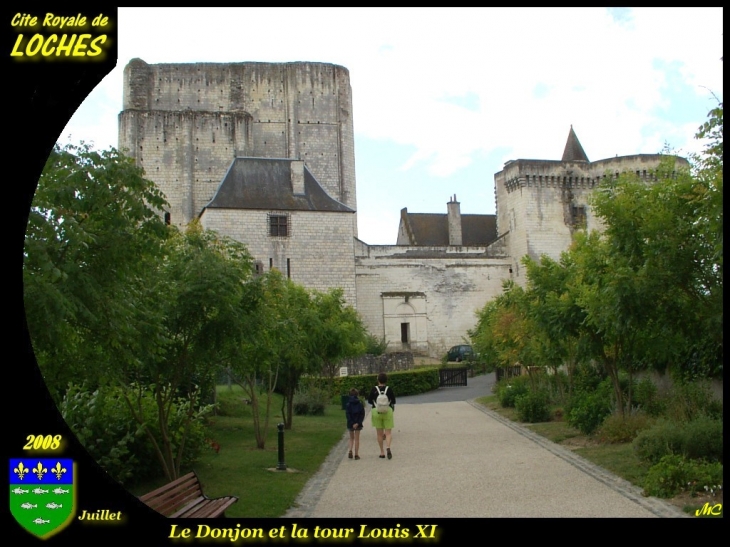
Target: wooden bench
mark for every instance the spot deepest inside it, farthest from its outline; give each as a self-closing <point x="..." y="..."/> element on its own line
<point x="184" y="498"/>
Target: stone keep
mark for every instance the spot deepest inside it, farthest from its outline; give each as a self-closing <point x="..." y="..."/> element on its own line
<point x="186" y="123"/>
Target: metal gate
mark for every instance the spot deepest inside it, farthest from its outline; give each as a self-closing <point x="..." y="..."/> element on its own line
<point x="450" y="377"/>
<point x="507" y="372"/>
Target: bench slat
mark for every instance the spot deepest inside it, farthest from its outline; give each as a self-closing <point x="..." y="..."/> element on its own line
<point x="215" y="508"/>
<point x="183" y="482"/>
<point x="206" y="508"/>
<point x="184" y="498"/>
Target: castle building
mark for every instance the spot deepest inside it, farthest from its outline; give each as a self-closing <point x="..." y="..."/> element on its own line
<point x="264" y="153"/>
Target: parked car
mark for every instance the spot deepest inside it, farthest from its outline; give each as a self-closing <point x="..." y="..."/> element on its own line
<point x="460" y="353"/>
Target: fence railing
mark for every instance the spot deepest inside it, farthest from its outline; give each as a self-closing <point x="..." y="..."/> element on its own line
<point x="451" y="377"/>
<point x="507" y="372"/>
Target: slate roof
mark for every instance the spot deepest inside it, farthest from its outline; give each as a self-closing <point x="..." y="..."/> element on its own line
<point x="432" y="229"/>
<point x="263" y="183"/>
<point x="573" y="150"/>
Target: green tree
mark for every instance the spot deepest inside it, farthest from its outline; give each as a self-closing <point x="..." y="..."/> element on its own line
<point x="340" y="333"/>
<point x="555" y="310"/>
<point x="330" y="330"/>
<point x="609" y="293"/>
<point x="666" y="237"/>
<point x="503" y="333"/>
<point x="298" y="355"/>
<point x="269" y="338"/>
<point x="196" y="293"/>
<point x="92" y="231"/>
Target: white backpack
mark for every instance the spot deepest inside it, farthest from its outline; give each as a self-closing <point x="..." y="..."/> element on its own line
<point x="382" y="403"/>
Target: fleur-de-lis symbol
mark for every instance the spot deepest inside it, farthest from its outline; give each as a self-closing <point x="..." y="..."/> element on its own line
<point x="58" y="470"/>
<point x="21" y="471"/>
<point x="39" y="470"/>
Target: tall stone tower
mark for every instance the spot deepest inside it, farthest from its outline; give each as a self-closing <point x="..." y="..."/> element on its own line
<point x="186" y="123"/>
<point x="540" y="203"/>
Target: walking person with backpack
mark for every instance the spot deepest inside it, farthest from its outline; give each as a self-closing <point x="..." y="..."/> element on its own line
<point x="355" y="413"/>
<point x="382" y="400"/>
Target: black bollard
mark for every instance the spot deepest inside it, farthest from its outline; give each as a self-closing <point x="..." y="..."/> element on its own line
<point x="281" y="466"/>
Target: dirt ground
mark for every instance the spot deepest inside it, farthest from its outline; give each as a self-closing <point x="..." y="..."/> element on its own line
<point x="685" y="499"/>
<point x="579" y="442"/>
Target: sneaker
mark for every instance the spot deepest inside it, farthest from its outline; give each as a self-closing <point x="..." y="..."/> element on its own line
<point x="390" y="455"/>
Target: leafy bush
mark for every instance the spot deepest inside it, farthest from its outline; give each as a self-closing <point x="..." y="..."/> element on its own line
<point x="687" y="401"/>
<point x="587" y="410"/>
<point x="646" y="397"/>
<point x="105" y="428"/>
<point x="699" y="439"/>
<point x="403" y="383"/>
<point x="311" y="402"/>
<point x="622" y="429"/>
<point x="557" y="385"/>
<point x="587" y="377"/>
<point x="375" y="345"/>
<point x="662" y="439"/>
<point x="509" y="389"/>
<point x="703" y="439"/>
<point x="674" y="474"/>
<point x="104" y="425"/>
<point x="533" y="407"/>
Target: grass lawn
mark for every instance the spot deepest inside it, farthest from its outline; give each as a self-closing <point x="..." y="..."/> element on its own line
<point x="242" y="470"/>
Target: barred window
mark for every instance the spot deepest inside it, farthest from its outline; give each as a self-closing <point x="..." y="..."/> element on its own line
<point x="278" y="225"/>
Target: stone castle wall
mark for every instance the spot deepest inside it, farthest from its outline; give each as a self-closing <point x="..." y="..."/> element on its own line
<point x="436" y="290"/>
<point x="375" y="364"/>
<point x="317" y="253"/>
<point x="186" y="153"/>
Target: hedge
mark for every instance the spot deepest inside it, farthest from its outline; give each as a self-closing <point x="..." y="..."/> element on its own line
<point x="411" y="382"/>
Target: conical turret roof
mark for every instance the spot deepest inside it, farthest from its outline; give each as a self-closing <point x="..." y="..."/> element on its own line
<point x="573" y="149"/>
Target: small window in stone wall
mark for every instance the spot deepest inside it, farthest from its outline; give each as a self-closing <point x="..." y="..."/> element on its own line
<point x="578" y="213"/>
<point x="279" y="225"/>
<point x="258" y="268"/>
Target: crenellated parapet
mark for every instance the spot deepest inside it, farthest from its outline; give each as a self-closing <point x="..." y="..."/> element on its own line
<point x="577" y="175"/>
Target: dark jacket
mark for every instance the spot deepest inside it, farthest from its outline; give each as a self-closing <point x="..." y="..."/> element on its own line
<point x="376" y="391"/>
<point x="355" y="412"/>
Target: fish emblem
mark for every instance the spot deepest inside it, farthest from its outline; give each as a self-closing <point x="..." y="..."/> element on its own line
<point x="40" y="491"/>
<point x="53" y="505"/>
<point x="59" y="491"/>
<point x="27" y="505"/>
<point x="41" y="521"/>
<point x="19" y="491"/>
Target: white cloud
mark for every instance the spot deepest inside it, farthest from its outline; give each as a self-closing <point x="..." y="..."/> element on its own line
<point x="603" y="72"/>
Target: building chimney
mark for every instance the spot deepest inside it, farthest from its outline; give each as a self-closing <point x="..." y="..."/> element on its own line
<point x="454" y="220"/>
<point x="297" y="177"/>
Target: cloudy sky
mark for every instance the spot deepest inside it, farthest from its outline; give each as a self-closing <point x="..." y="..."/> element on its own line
<point x="442" y="98"/>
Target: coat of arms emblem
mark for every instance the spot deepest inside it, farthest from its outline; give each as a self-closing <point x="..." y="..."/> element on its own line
<point x="42" y="494"/>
